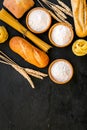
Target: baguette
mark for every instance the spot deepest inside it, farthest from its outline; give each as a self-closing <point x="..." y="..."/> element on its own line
<point x="18" y="7"/>
<point x="79" y="8"/>
<point x="28" y="52"/>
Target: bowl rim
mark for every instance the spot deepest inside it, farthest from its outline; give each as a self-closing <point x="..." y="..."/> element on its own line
<point x="52" y="78"/>
<point x="32" y="30"/>
<point x="64" y="24"/>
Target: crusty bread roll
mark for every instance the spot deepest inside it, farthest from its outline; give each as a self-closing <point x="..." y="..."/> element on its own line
<point x="18" y="7"/>
<point x="79" y="8"/>
<point x="28" y="52"/>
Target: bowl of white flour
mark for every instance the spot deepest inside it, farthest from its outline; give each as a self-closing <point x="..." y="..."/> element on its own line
<point x="61" y="34"/>
<point x="60" y="71"/>
<point x="38" y="20"/>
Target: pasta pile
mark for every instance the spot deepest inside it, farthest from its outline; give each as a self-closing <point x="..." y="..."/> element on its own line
<point x="11" y="21"/>
<point x="79" y="47"/>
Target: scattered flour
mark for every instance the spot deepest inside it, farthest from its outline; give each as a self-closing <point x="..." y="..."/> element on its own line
<point x="39" y="20"/>
<point x="61" y="35"/>
<point x="61" y="71"/>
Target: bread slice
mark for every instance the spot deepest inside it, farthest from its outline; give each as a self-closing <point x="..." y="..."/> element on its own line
<point x="18" y="7"/>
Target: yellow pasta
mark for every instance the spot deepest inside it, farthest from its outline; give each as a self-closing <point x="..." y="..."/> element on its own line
<point x="3" y="34"/>
<point x="79" y="47"/>
<point x="11" y="21"/>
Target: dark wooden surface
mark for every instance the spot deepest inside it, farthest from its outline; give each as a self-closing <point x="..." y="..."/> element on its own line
<point x="49" y="106"/>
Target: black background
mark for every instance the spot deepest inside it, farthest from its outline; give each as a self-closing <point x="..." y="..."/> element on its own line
<point x="49" y="106"/>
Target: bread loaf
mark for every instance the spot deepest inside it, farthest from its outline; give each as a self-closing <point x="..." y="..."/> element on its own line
<point x="28" y="52"/>
<point x="79" y="8"/>
<point x="18" y="7"/>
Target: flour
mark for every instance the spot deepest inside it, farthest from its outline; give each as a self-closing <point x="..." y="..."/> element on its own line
<point x="39" y="20"/>
<point x="61" y="35"/>
<point x="61" y="71"/>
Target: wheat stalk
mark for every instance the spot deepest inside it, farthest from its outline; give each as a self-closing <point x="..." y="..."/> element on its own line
<point x="54" y="8"/>
<point x="50" y="12"/>
<point x="64" y="10"/>
<point x="54" y="16"/>
<point x="64" y="5"/>
<point x="25" y="72"/>
<point x="58" y="12"/>
<point x="35" y="72"/>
